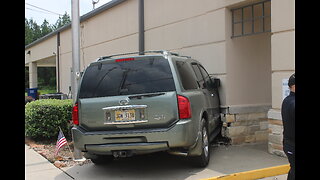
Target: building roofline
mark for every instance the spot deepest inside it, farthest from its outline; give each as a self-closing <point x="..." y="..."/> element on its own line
<point x="82" y="18"/>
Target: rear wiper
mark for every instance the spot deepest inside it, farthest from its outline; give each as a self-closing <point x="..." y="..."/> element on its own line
<point x="102" y="78"/>
<point x="145" y="95"/>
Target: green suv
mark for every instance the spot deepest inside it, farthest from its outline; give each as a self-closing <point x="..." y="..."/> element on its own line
<point x="144" y="104"/>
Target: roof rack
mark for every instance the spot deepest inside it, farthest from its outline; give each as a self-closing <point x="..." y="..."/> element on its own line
<point x="163" y="52"/>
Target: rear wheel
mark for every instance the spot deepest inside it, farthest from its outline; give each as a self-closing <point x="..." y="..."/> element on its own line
<point x="203" y="159"/>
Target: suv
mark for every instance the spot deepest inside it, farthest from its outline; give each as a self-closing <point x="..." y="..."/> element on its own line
<point x="146" y="103"/>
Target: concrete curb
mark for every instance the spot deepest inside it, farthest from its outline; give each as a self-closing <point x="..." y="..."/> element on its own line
<point x="254" y="174"/>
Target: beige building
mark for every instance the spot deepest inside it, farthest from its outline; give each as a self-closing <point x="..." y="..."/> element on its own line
<point x="248" y="44"/>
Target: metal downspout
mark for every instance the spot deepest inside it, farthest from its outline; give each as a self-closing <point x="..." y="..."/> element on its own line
<point x="141" y="27"/>
<point x="58" y="62"/>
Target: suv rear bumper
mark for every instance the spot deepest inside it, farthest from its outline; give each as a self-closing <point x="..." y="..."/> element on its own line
<point x="182" y="134"/>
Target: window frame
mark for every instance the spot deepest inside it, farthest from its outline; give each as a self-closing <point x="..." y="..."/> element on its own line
<point x="251" y="20"/>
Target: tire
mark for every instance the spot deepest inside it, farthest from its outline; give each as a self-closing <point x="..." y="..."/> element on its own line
<point x="204" y="158"/>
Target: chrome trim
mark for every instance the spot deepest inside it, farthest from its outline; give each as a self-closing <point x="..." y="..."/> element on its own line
<point x="124" y="102"/>
<point x="125" y="122"/>
<point x="113" y="108"/>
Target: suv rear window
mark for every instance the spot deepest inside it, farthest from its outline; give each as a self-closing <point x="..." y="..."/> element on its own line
<point x="137" y="76"/>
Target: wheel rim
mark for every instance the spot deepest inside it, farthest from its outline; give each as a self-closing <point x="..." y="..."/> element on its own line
<point x="205" y="142"/>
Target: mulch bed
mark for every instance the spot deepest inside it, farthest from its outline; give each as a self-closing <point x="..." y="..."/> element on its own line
<point x="47" y="150"/>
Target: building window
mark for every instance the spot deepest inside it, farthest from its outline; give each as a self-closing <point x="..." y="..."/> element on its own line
<point x="251" y="19"/>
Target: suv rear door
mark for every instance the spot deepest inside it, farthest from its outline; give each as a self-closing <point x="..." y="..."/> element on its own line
<point x="205" y="83"/>
<point x="135" y="92"/>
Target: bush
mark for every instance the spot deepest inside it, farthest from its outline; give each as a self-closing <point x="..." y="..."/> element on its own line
<point x="43" y="118"/>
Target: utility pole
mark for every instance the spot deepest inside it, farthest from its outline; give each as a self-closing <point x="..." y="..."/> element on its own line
<point x="75" y="26"/>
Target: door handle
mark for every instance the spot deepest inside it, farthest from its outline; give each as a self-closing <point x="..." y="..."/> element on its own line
<point x="211" y="94"/>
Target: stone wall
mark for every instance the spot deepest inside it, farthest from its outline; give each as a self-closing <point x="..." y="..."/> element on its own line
<point x="275" y="136"/>
<point x="255" y="127"/>
<point x="246" y="127"/>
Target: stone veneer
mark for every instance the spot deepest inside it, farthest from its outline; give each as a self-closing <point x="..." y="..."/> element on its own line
<point x="275" y="136"/>
<point x="246" y="127"/>
<point x="255" y="127"/>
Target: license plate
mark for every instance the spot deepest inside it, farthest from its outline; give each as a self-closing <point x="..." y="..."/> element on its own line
<point x="125" y="115"/>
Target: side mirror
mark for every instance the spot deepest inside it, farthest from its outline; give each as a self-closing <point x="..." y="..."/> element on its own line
<point x="213" y="83"/>
<point x="216" y="83"/>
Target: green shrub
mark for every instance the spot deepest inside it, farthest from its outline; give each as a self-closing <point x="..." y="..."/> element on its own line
<point x="43" y="118"/>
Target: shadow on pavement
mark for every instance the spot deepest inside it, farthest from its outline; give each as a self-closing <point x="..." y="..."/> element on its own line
<point x="224" y="160"/>
<point x="151" y="166"/>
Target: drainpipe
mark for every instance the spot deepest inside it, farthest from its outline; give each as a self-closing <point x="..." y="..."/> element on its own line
<point x="58" y="63"/>
<point x="141" y="27"/>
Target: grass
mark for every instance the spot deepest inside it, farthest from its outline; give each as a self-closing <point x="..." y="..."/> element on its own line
<point x="47" y="91"/>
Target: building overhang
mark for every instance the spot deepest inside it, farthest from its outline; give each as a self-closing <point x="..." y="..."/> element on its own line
<point x="45" y="62"/>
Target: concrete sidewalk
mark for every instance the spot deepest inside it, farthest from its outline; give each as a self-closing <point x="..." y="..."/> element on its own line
<point x="226" y="160"/>
<point x="39" y="168"/>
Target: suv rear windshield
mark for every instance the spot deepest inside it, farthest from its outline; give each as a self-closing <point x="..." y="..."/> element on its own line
<point x="136" y="76"/>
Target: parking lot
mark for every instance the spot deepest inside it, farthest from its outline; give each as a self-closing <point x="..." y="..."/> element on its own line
<point x="224" y="160"/>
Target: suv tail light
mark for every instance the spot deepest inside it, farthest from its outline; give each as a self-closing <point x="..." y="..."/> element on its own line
<point x="184" y="107"/>
<point x="75" y="114"/>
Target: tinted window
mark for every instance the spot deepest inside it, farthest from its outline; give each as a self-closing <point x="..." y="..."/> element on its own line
<point x="127" y="77"/>
<point x="199" y="76"/>
<point x="205" y="74"/>
<point x="185" y="73"/>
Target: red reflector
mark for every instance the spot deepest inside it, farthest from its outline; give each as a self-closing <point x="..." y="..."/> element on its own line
<point x="75" y="114"/>
<point x="184" y="107"/>
<point x="126" y="59"/>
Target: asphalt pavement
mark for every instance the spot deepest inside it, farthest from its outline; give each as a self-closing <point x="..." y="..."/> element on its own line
<point x="225" y="160"/>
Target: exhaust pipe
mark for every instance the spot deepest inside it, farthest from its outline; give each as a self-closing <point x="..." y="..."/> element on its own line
<point x="121" y="154"/>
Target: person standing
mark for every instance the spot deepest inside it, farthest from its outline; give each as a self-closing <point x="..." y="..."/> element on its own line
<point x="288" y="118"/>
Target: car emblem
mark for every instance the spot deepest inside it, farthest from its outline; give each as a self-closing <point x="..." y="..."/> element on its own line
<point x="124" y="101"/>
